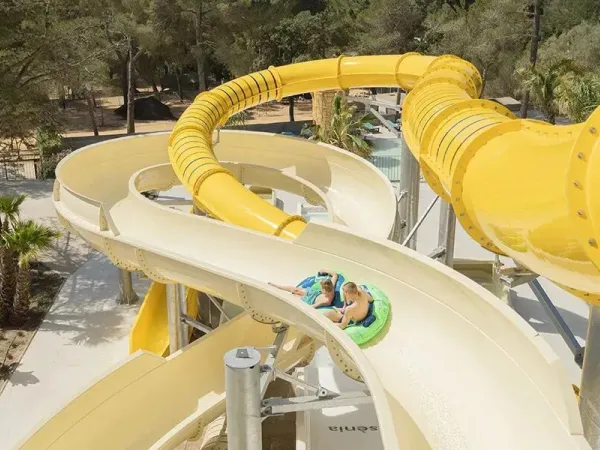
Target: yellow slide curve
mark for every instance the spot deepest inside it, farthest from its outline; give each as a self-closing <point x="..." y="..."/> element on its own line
<point x="453" y="369"/>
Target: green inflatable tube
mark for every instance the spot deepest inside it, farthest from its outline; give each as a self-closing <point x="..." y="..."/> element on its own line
<point x="366" y="330"/>
<point x="381" y="308"/>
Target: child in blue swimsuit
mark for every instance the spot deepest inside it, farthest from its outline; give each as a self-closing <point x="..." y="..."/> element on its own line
<point x="315" y="297"/>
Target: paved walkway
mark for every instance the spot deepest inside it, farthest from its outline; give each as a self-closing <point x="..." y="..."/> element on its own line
<point x="84" y="335"/>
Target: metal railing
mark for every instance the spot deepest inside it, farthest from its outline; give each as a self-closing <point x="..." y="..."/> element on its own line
<point x="389" y="165"/>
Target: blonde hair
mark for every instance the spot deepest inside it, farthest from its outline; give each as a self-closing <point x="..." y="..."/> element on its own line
<point x="327" y="285"/>
<point x="350" y="288"/>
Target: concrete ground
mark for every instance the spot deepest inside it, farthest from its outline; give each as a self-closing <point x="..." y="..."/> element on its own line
<point x="68" y="251"/>
<point x="83" y="336"/>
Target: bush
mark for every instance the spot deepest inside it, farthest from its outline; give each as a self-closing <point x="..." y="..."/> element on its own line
<point x="49" y="141"/>
<point x="49" y="163"/>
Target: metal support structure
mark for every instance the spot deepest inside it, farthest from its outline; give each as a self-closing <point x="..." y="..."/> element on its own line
<point x="185" y="328"/>
<point x="243" y="400"/>
<point x="369" y="102"/>
<point x="447" y="232"/>
<point x="195" y="324"/>
<point x="215" y="302"/>
<point x="589" y="394"/>
<point x="278" y="405"/>
<point x="174" y="318"/>
<point x="384" y="122"/>
<point x="556" y="318"/>
<point x="127" y="295"/>
<point x="408" y="212"/>
<point x="319" y="391"/>
<point x="413" y="231"/>
<point x="268" y="371"/>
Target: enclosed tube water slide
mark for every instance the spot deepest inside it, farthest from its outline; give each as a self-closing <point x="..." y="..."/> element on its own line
<point x="454" y="368"/>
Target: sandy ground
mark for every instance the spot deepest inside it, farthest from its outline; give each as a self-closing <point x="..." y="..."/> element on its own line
<point x="77" y="120"/>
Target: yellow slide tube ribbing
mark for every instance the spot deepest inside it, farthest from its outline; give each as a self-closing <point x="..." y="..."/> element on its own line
<point x="519" y="187"/>
<point x="190" y="144"/>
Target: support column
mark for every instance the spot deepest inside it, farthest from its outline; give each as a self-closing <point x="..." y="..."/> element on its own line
<point x="174" y="318"/>
<point x="185" y="329"/>
<point x="408" y="208"/>
<point x="447" y="232"/>
<point x="127" y="295"/>
<point x="243" y="399"/>
<point x="589" y="400"/>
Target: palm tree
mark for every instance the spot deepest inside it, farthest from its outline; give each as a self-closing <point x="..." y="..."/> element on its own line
<point x="10" y="207"/>
<point x="346" y="129"/>
<point x="238" y="119"/>
<point x="27" y="239"/>
<point x="580" y="96"/>
<point x="9" y="215"/>
<point x="545" y="83"/>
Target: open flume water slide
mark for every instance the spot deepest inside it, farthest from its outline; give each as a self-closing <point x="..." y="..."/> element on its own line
<point x="454" y="367"/>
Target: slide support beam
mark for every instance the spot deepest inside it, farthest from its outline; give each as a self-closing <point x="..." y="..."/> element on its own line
<point x="174" y="317"/>
<point x="447" y="232"/>
<point x="557" y="320"/>
<point x="589" y="399"/>
<point x="410" y="175"/>
<point x="414" y="229"/>
<point x="243" y="399"/>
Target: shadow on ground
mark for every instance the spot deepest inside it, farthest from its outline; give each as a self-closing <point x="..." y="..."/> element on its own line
<point x="17" y="377"/>
<point x="535" y="315"/>
<point x="86" y="310"/>
<point x="34" y="189"/>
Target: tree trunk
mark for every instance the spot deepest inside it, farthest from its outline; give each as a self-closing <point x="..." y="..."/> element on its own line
<point x="483" y="80"/>
<point x="124" y="83"/>
<point x="90" y="107"/>
<point x="535" y="41"/>
<point x="9" y="282"/>
<point x="200" y="49"/>
<point x="291" y="109"/>
<point x="179" y="89"/>
<point x="130" y="91"/>
<point x="63" y="99"/>
<point x="22" y="295"/>
<point x="155" y="89"/>
<point x="127" y="295"/>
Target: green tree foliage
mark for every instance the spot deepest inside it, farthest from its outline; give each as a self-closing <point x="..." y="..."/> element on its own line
<point x="580" y="43"/>
<point x="493" y="34"/>
<point x="392" y="26"/>
<point x="579" y="96"/>
<point x="545" y="84"/>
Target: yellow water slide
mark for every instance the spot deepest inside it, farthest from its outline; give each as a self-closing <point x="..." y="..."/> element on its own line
<point x="518" y="187"/>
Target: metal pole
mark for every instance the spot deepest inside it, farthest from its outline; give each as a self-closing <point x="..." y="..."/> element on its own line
<point x="127" y="295"/>
<point x="418" y="224"/>
<point x="243" y="400"/>
<point x="174" y="318"/>
<point x="589" y="396"/>
<point x="555" y="316"/>
<point x="185" y="329"/>
<point x="215" y="302"/>
<point x="409" y="183"/>
<point x="195" y="324"/>
<point x="447" y="232"/>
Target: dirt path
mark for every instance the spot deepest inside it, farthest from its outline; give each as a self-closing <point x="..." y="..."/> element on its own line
<point x="77" y="123"/>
